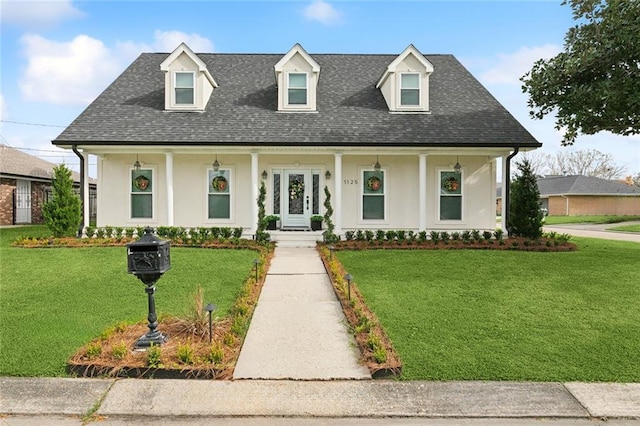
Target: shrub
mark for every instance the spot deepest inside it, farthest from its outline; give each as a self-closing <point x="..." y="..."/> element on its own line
<point x="63" y="213"/>
<point x="359" y="235"/>
<point x="475" y="234"/>
<point x="237" y="232"/>
<point x="94" y="350"/>
<point x="368" y="235"/>
<point x="153" y="356"/>
<point x="349" y="235"/>
<point x="444" y="236"/>
<point x="327" y="235"/>
<point x="119" y="351"/>
<point x="525" y="214"/>
<point x="185" y="352"/>
<point x="91" y="231"/>
<point x="215" y="354"/>
<point x="466" y="236"/>
<point x="422" y="236"/>
<point x="434" y="236"/>
<point x="487" y="235"/>
<point x="390" y="235"/>
<point x="455" y="236"/>
<point x="401" y="235"/>
<point x="499" y="234"/>
<point x="108" y="231"/>
<point x="380" y="235"/>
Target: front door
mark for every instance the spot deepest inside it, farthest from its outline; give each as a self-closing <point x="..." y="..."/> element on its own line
<point x="297" y="200"/>
<point x="23" y="201"/>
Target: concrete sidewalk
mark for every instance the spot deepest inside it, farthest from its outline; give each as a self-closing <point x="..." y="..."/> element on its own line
<point x="40" y="401"/>
<point x="298" y="330"/>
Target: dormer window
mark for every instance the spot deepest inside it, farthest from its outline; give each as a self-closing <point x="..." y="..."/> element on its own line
<point x="297" y="90"/>
<point x="405" y="82"/>
<point x="188" y="85"/>
<point x="185" y="88"/>
<point x="297" y="75"/>
<point x="409" y="89"/>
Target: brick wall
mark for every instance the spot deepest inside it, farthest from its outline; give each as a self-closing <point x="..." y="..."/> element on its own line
<point x="7" y="186"/>
<point x="594" y="205"/>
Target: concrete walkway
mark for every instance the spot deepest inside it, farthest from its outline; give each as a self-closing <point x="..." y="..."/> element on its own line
<point x="298" y="330"/>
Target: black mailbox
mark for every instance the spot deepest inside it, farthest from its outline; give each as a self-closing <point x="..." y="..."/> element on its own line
<point x="149" y="255"/>
<point x="148" y="258"/>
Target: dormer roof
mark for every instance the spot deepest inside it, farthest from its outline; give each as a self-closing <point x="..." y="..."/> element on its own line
<point x="183" y="48"/>
<point x="297" y="49"/>
<point x="392" y="67"/>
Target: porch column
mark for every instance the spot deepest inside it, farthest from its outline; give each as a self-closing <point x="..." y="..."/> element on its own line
<point x="422" y="188"/>
<point x="169" y="172"/>
<point x="255" y="179"/>
<point x="337" y="196"/>
<point x="503" y="207"/>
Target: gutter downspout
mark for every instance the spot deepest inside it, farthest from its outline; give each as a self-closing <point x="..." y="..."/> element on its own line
<point x="81" y="157"/>
<point x="506" y="196"/>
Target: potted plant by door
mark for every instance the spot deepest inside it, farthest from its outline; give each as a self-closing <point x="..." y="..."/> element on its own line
<point x="316" y="222"/>
<point x="271" y="222"/>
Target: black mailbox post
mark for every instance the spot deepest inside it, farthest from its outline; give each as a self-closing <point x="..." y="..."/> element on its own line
<point x="148" y="258"/>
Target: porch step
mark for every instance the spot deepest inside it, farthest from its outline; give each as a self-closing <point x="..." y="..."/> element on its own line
<point x="296" y="238"/>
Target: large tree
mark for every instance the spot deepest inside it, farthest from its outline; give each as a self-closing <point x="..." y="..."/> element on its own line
<point x="594" y="83"/>
<point x="588" y="162"/>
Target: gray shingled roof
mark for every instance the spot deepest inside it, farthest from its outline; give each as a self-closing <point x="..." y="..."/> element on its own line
<point x="18" y="164"/>
<point x="351" y="111"/>
<point x="583" y="185"/>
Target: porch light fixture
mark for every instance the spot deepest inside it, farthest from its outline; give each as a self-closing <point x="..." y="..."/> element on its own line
<point x="264" y="175"/>
<point x="216" y="165"/>
<point x="136" y="165"/>
<point x="377" y="166"/>
<point x="327" y="175"/>
<point x="457" y="167"/>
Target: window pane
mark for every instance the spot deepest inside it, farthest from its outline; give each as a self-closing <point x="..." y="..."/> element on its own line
<point x="450" y="183"/>
<point x="373" y="207"/>
<point x="298" y="96"/>
<point x="184" y="79"/>
<point x="410" y="81"/>
<point x="450" y="208"/>
<point x="184" y="96"/>
<point x="315" y="208"/>
<point x="219" y="182"/>
<point x="141" y="205"/>
<point x="276" y="193"/>
<point x="219" y="206"/>
<point x="410" y="97"/>
<point x="298" y="81"/>
<point x="373" y="182"/>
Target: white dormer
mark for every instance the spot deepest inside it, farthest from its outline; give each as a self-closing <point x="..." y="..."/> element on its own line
<point x="297" y="77"/>
<point x="405" y="82"/>
<point x="187" y="82"/>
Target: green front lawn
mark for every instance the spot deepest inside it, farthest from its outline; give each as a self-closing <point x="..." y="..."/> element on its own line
<point x="54" y="300"/>
<point x="625" y="228"/>
<point x="506" y="315"/>
<point x="596" y="219"/>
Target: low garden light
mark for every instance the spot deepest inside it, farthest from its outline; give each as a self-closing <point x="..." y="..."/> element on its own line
<point x="348" y="278"/>
<point x="209" y="309"/>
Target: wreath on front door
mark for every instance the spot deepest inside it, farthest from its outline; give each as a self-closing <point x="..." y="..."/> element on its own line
<point x="296" y="189"/>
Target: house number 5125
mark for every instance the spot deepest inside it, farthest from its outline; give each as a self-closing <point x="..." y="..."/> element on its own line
<point x="351" y="181"/>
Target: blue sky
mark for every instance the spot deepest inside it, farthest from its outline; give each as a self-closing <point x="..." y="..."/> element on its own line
<point x="58" y="55"/>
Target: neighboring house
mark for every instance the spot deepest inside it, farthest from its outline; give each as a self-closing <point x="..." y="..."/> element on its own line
<point x="25" y="184"/>
<point x="186" y="139"/>
<point x="585" y="195"/>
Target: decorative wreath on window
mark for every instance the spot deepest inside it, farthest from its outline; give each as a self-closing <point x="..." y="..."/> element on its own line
<point x="451" y="184"/>
<point x="374" y="183"/>
<point x="296" y="189"/>
<point x="141" y="182"/>
<point x="219" y="183"/>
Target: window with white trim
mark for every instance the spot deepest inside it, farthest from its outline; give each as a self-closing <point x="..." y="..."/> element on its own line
<point x="450" y="195"/>
<point x="409" y="89"/>
<point x="184" y="86"/>
<point x="219" y="194"/>
<point x="141" y="194"/>
<point x="297" y="88"/>
<point x="373" y="195"/>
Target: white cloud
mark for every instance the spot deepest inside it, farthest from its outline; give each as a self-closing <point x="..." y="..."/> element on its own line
<point x="167" y="41"/>
<point x="75" y="72"/>
<point x="508" y="68"/>
<point x="38" y="13"/>
<point x="71" y="73"/>
<point x="323" y="12"/>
